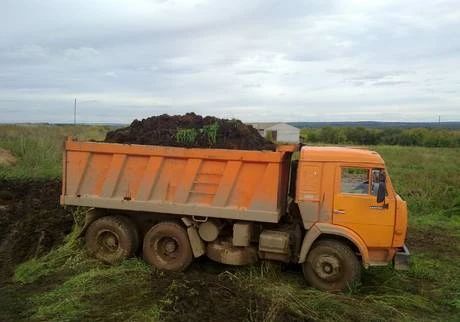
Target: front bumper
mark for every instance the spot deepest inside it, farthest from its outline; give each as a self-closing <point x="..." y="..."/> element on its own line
<point x="401" y="261"/>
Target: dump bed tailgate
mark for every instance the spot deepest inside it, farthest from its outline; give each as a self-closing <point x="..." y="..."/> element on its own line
<point x="235" y="184"/>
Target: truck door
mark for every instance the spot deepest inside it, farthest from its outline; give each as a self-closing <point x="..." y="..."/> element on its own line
<point x="356" y="207"/>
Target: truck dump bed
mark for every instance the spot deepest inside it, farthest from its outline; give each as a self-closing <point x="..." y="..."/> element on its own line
<point x="234" y="184"/>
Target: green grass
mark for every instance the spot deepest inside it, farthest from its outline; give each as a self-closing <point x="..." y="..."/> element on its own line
<point x="68" y="285"/>
<point x="38" y="148"/>
<point x="75" y="299"/>
<point x="429" y="179"/>
<point x="86" y="289"/>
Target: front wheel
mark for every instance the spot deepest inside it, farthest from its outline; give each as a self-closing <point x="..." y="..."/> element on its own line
<point x="331" y="266"/>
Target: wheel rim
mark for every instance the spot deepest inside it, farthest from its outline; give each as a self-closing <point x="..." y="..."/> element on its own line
<point x="108" y="242"/>
<point x="328" y="268"/>
<point x="167" y="248"/>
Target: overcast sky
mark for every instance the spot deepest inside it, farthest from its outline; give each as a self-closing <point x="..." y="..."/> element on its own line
<point x="255" y="60"/>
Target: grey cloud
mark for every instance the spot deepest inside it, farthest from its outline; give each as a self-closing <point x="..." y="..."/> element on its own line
<point x="252" y="85"/>
<point x="27" y="52"/>
<point x="370" y="76"/>
<point x="389" y="83"/>
<point x="82" y="53"/>
<point x="306" y="57"/>
<point x="344" y="71"/>
<point x="373" y="78"/>
<point x="253" y="72"/>
<point x="258" y="59"/>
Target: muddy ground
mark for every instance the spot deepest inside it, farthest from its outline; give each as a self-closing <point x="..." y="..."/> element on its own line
<point x="162" y="130"/>
<point x="434" y="240"/>
<point x="205" y="295"/>
<point x="31" y="221"/>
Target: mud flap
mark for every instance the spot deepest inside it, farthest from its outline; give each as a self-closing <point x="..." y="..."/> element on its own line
<point x="90" y="217"/>
<point x="401" y="261"/>
<point x="198" y="247"/>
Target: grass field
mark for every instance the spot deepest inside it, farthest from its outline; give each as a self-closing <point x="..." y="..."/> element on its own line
<point x="68" y="285"/>
<point x="39" y="148"/>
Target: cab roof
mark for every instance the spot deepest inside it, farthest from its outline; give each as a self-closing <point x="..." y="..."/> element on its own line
<point x="339" y="154"/>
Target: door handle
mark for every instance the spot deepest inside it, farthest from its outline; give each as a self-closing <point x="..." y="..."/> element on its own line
<point x="339" y="212"/>
<point x="379" y="207"/>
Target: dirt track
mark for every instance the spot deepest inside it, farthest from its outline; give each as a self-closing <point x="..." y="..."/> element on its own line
<point x="31" y="221"/>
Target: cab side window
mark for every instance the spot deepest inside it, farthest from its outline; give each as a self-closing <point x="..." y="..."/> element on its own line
<point x="355" y="180"/>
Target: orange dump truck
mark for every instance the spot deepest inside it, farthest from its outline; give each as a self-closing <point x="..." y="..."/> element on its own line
<point x="333" y="211"/>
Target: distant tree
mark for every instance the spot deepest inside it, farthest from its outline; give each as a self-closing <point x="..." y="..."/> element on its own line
<point x="329" y="134"/>
<point x="390" y="136"/>
<point x="430" y="137"/>
<point x="309" y="135"/>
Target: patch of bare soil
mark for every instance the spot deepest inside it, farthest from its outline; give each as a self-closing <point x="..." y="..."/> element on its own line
<point x="203" y="296"/>
<point x="6" y="158"/>
<point x="163" y="130"/>
<point x="32" y="222"/>
<point x="435" y="240"/>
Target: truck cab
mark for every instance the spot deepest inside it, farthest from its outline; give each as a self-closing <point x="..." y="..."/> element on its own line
<point x="337" y="193"/>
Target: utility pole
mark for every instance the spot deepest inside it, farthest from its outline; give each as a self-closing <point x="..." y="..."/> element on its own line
<point x="75" y="112"/>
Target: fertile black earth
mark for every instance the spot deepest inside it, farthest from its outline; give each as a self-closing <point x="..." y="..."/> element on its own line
<point x="32" y="222"/>
<point x="163" y="129"/>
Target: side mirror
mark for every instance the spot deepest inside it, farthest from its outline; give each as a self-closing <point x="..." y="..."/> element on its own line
<point x="381" y="192"/>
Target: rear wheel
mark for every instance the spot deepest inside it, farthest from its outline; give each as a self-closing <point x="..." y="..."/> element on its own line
<point x="112" y="239"/>
<point x="167" y="247"/>
<point x="331" y="266"/>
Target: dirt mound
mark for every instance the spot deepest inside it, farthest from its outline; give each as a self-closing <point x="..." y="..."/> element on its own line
<point x="31" y="221"/>
<point x="6" y="158"/>
<point x="191" y="130"/>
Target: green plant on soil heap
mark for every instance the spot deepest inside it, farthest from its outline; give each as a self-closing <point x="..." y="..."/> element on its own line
<point x="186" y="136"/>
<point x="211" y="132"/>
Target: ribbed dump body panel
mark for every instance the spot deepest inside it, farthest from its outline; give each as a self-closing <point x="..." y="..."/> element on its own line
<point x="234" y="184"/>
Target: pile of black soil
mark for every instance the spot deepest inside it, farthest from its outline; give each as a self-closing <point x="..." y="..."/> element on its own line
<point x="192" y="131"/>
<point x="31" y="221"/>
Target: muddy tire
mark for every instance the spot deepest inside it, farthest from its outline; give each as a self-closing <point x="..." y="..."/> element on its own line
<point x="331" y="266"/>
<point x="167" y="247"/>
<point x="112" y="239"/>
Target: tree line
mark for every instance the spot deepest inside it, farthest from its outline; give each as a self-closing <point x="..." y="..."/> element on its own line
<point x="429" y="137"/>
